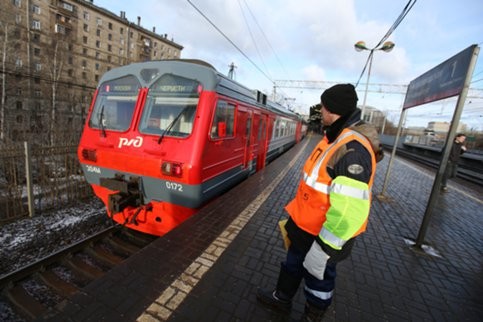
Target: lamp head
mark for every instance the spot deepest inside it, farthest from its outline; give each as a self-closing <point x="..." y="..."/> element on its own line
<point x="388" y="46"/>
<point x="360" y="46"/>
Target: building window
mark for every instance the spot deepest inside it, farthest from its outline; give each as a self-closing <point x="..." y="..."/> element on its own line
<point x="98" y="55"/>
<point x="109" y="58"/>
<point x="70" y="60"/>
<point x="84" y="63"/>
<point x="36" y="24"/>
<point x="84" y="75"/>
<point x="84" y="51"/>
<point x="86" y="27"/>
<point x="18" y="62"/>
<point x="19" y="105"/>
<point x="109" y="36"/>
<point x="38" y="67"/>
<point x="19" y="91"/>
<point x="18" y="19"/>
<point x="98" y="44"/>
<point x="109" y="47"/>
<point x="37" y="93"/>
<point x="84" y="39"/>
<point x="37" y="80"/>
<point x="37" y="51"/>
<point x="110" y="25"/>
<point x="17" y="3"/>
<point x="59" y="29"/>
<point x="96" y="78"/>
<point x="121" y="31"/>
<point x="97" y="66"/>
<point x="86" y="15"/>
<point x="70" y="72"/>
<point x="67" y="6"/>
<point x="36" y="9"/>
<point x="19" y="119"/>
<point x="98" y="32"/>
<point x="99" y="21"/>
<point x="36" y="38"/>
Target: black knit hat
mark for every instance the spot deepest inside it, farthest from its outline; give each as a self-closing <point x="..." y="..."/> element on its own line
<point x="340" y="99"/>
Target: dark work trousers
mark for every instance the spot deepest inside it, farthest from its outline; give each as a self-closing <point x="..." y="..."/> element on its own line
<point x="317" y="292"/>
<point x="450" y="172"/>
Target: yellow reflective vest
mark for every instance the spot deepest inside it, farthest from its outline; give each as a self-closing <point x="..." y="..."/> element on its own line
<point x="334" y="209"/>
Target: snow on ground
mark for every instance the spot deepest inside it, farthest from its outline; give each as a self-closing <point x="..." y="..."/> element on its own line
<point x="29" y="239"/>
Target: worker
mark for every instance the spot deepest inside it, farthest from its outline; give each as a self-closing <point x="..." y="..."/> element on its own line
<point x="331" y="205"/>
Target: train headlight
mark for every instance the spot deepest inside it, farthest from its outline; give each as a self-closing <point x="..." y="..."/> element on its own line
<point x="90" y="155"/>
<point x="173" y="169"/>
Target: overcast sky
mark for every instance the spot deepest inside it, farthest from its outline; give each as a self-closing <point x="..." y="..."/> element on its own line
<point x="314" y="40"/>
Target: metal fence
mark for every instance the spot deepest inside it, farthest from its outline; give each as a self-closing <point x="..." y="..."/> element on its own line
<point x="34" y="179"/>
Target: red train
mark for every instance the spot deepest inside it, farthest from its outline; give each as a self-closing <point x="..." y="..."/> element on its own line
<point x="164" y="137"/>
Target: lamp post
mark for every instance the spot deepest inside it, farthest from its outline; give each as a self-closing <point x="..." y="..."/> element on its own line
<point x="360" y="46"/>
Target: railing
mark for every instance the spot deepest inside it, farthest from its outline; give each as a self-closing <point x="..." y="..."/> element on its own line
<point x="34" y="179"/>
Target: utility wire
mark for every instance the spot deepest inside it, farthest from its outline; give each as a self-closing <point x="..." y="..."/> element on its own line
<point x="251" y="35"/>
<point x="266" y="38"/>
<point x="230" y="41"/>
<point x="396" y="23"/>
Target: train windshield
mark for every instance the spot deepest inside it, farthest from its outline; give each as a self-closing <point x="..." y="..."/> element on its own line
<point x="170" y="106"/>
<point x="115" y="103"/>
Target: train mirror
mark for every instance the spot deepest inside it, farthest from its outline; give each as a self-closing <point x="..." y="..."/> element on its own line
<point x="221" y="129"/>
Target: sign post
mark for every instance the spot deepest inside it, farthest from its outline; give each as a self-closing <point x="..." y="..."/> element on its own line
<point x="468" y="59"/>
<point x="448" y="79"/>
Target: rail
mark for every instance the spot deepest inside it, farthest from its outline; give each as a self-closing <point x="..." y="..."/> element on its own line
<point x="86" y="260"/>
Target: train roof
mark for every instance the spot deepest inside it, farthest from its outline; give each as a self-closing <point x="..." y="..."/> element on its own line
<point x="199" y="70"/>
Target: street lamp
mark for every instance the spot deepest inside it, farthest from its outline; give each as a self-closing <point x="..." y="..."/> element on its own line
<point x="360" y="46"/>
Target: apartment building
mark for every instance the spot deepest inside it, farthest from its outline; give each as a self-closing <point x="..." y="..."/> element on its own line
<point x="53" y="53"/>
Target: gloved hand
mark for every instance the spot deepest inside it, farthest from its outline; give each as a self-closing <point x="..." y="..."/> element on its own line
<point x="316" y="260"/>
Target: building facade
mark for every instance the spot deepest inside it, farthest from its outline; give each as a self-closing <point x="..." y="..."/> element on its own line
<point x="53" y="53"/>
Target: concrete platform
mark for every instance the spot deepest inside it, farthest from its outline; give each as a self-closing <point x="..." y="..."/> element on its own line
<point x="209" y="268"/>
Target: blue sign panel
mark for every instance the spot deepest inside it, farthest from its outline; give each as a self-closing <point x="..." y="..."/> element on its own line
<point x="443" y="81"/>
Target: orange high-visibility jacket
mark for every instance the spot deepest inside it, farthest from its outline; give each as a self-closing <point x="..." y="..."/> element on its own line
<point x="335" y="209"/>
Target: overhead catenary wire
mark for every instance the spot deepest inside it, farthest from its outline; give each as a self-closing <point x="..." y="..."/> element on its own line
<point x="230" y="41"/>
<point x="265" y="37"/>
<point x="396" y="23"/>
<point x="251" y="35"/>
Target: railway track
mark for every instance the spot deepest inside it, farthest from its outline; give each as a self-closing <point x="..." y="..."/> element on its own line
<point x="36" y="289"/>
<point x="470" y="174"/>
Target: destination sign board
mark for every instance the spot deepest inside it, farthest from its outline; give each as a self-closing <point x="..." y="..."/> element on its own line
<point x="443" y="81"/>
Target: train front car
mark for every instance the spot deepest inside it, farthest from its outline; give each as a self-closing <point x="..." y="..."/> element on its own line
<point x="138" y="149"/>
<point x="163" y="138"/>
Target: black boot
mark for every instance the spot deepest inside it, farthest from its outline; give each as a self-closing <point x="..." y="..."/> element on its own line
<point x="281" y="297"/>
<point x="275" y="299"/>
<point x="312" y="314"/>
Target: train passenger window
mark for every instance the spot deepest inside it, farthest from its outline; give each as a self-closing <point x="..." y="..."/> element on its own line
<point x="223" y="124"/>
<point x="114" y="104"/>
<point x="170" y="107"/>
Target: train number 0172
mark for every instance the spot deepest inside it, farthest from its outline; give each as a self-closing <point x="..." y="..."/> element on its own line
<point x="174" y="186"/>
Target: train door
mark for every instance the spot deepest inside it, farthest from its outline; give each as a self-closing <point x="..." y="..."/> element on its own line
<point x="248" y="141"/>
<point x="262" y="139"/>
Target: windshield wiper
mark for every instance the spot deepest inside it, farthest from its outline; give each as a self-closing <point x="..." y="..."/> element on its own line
<point x="101" y="121"/>
<point x="170" y="126"/>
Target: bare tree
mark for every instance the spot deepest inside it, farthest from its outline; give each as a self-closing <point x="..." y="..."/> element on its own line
<point x="4" y="26"/>
<point x="56" y="66"/>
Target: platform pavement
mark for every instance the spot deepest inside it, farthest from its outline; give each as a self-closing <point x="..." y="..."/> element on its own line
<point x="210" y="267"/>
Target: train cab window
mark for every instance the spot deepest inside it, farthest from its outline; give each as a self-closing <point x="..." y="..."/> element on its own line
<point x="170" y="106"/>
<point x="114" y="106"/>
<point x="223" y="124"/>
